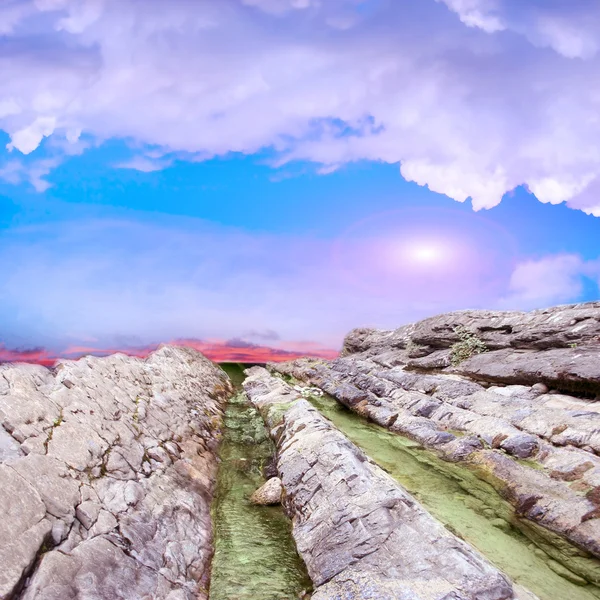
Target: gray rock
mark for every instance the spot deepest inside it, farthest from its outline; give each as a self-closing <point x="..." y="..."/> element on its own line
<point x="449" y="410"/>
<point x="88" y="511"/>
<point x="521" y="446"/>
<point x="24" y="528"/>
<point x="269" y="493"/>
<point x="360" y="534"/>
<point x="9" y="447"/>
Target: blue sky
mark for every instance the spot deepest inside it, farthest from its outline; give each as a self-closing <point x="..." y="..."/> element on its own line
<point x="280" y="171"/>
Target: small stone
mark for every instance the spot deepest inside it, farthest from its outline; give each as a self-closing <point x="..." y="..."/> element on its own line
<point x="269" y="493"/>
<point x="522" y="445"/>
<point x="87" y="513"/>
<point x="172" y="449"/>
<point x="540" y="388"/>
<point x="133" y="493"/>
<point x="158" y="454"/>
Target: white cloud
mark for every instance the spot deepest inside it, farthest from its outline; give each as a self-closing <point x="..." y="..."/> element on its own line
<point x="549" y="280"/>
<point x="144" y="164"/>
<point x="29" y="138"/>
<point x="570" y="28"/>
<point x="16" y="171"/>
<point x="477" y="13"/>
<point x="466" y="107"/>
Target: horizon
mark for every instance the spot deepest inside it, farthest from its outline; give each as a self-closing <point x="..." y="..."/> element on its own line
<point x="263" y="176"/>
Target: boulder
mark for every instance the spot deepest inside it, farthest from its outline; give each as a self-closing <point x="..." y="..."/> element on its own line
<point x="269" y="493"/>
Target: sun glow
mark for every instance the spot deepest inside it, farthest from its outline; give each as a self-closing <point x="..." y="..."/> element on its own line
<point x="426" y="253"/>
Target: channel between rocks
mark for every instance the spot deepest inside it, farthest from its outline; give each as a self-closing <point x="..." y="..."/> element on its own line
<point x="368" y="548"/>
<point x="255" y="556"/>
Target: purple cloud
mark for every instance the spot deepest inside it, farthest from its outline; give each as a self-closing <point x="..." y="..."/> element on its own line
<point x="102" y="282"/>
<point x="471" y="97"/>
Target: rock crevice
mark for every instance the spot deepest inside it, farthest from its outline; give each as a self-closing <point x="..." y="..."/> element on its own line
<point x="538" y="446"/>
<point x="360" y="534"/>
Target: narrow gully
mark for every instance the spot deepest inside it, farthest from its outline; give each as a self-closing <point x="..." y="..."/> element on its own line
<point x="255" y="555"/>
<point x="465" y="504"/>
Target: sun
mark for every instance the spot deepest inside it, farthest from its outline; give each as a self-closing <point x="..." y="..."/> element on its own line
<point x="426" y="253"/>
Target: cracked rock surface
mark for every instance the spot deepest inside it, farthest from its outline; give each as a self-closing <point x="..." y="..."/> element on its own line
<point x="359" y="532"/>
<point x="496" y="411"/>
<point x="107" y="469"/>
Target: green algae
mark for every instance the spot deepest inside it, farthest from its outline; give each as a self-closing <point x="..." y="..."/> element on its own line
<point x="469" y="507"/>
<point x="235" y="372"/>
<point x="255" y="555"/>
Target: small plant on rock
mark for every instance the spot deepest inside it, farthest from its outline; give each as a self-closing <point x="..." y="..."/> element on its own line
<point x="468" y="345"/>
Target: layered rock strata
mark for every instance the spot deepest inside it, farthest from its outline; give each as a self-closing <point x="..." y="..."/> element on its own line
<point x="539" y="447"/>
<point x="360" y="534"/>
<point x="107" y="468"/>
<point x="556" y="346"/>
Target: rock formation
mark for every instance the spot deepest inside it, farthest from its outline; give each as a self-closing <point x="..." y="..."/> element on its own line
<point x="106" y="476"/>
<point x="269" y="493"/>
<point x="360" y="534"/>
<point x="512" y="395"/>
<point x="108" y="465"/>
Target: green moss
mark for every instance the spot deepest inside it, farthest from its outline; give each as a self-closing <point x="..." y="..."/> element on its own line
<point x="255" y="555"/>
<point x="273" y="414"/>
<point x="468" y="345"/>
<point x="235" y="371"/>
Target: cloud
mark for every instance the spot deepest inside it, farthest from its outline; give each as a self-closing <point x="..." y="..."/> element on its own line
<point x="265" y="335"/>
<point x="470" y="97"/>
<point x="118" y="280"/>
<point x="549" y="280"/>
<point x="17" y="171"/>
<point x="569" y="29"/>
<point x="144" y="164"/>
<point x="217" y="351"/>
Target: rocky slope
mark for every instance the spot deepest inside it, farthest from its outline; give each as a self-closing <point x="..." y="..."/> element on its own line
<point x="360" y="534"/>
<point x="107" y="469"/>
<point x="514" y="396"/>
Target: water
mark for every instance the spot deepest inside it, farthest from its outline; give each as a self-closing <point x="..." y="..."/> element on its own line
<point x="255" y="555"/>
<point x="466" y="505"/>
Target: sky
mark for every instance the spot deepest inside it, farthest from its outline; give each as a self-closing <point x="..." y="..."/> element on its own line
<point x="258" y="177"/>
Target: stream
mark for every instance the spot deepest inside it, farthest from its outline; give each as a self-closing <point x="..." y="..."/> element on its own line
<point x="255" y="555"/>
<point x="465" y="504"/>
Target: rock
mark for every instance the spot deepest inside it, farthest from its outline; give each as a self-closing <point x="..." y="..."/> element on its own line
<point x="24" y="528"/>
<point x="540" y="388"/>
<point x="360" y="534"/>
<point x="84" y="503"/>
<point x="269" y="493"/>
<point x="539" y="448"/>
<point x="521" y="445"/>
<point x="566" y="369"/>
<point x="87" y="513"/>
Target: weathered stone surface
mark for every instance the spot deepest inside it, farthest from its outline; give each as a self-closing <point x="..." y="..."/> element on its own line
<point x="360" y="534"/>
<point x="107" y="468"/>
<point x="556" y="327"/>
<point x="269" y="493"/>
<point x="562" y="368"/>
<point x="538" y="446"/>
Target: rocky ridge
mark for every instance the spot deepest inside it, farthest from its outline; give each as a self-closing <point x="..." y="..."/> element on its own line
<point x="360" y="534"/>
<point x="107" y="467"/>
<point x="502" y="411"/>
